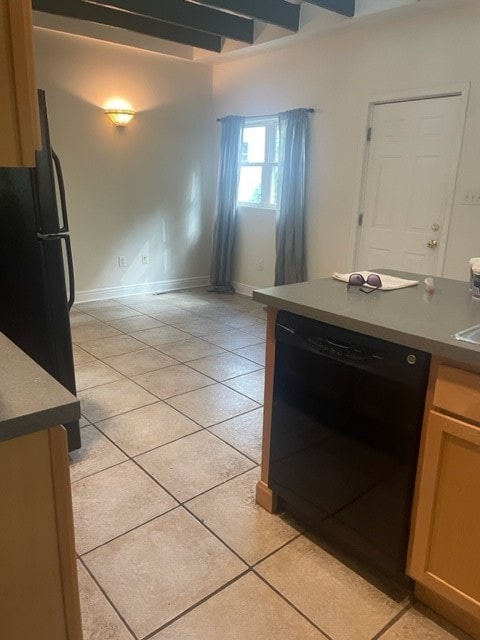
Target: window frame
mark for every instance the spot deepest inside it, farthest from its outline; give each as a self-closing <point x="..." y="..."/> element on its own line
<point x="269" y="164"/>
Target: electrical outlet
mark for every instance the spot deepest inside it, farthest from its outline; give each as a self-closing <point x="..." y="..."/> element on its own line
<point x="472" y="197"/>
<point x="122" y="261"/>
<point x="144" y="258"/>
<point x="259" y="265"/>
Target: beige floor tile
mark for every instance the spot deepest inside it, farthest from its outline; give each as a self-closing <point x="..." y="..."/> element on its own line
<point x="153" y="305"/>
<point x="251" y="385"/>
<point x="160" y="335"/>
<point x="135" y="298"/>
<point x="212" y="404"/>
<point x="78" y="318"/>
<point x="100" y="621"/>
<point x="339" y="601"/>
<point x="112" y="502"/>
<point x="260" y="313"/>
<point x="243" y="432"/>
<point x="80" y="356"/>
<point x="420" y="623"/>
<point x="247" y="609"/>
<point x="202" y="327"/>
<point x="174" y="316"/>
<point x="83" y="422"/>
<point x="138" y="362"/>
<point x="147" y="428"/>
<point x="193" y="464"/>
<point x="111" y="399"/>
<point x="172" y="381"/>
<point x="91" y="374"/>
<point x="259" y="329"/>
<point x="113" y="346"/>
<point x="92" y="331"/>
<point x="192" y="349"/>
<point x="223" y="366"/>
<point x="136" y="323"/>
<point x="256" y="353"/>
<point x="109" y="303"/>
<point x="231" y="512"/>
<point x="233" y="339"/>
<point x="115" y="313"/>
<point x="97" y="453"/>
<point x="238" y="320"/>
<point x="157" y="571"/>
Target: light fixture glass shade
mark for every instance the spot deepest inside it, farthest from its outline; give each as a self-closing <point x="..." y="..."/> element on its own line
<point x="120" y="117"/>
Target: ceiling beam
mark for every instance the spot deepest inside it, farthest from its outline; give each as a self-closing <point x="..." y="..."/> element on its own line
<point x="139" y="24"/>
<point x="187" y="14"/>
<point x="278" y="12"/>
<point x="344" y="7"/>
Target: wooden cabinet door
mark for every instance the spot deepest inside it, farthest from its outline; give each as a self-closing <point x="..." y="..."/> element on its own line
<point x="19" y="124"/>
<point x="39" y="597"/>
<point x="445" y="545"/>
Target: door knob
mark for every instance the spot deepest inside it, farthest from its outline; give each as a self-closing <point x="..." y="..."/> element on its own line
<point x="432" y="244"/>
<point x="435" y="226"/>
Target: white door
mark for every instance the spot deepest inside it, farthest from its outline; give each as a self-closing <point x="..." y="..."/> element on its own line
<point x="409" y="184"/>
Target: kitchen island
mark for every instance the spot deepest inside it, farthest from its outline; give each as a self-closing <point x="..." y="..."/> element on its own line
<point x="38" y="577"/>
<point x="444" y="551"/>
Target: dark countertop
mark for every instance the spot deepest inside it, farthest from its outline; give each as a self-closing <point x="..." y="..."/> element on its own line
<point x="30" y="399"/>
<point x="409" y="316"/>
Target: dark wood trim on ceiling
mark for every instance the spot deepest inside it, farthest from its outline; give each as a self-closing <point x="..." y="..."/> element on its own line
<point x="187" y="14"/>
<point x="139" y="24"/>
<point x="196" y="23"/>
<point x="278" y="12"/>
<point x="344" y="7"/>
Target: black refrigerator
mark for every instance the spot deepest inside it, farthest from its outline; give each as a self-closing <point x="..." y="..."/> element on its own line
<point x="36" y="267"/>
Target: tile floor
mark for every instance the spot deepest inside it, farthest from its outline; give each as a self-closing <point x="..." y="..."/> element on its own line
<point x="170" y="542"/>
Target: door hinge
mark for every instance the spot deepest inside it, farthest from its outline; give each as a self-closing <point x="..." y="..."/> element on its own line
<point x="360" y="220"/>
<point x="369" y="134"/>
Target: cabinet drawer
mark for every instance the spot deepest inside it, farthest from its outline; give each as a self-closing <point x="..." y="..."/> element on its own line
<point x="458" y="392"/>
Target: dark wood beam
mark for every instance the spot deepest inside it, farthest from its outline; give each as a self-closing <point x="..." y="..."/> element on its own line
<point x="345" y="7"/>
<point x="139" y="24"/>
<point x="187" y="14"/>
<point x="283" y="14"/>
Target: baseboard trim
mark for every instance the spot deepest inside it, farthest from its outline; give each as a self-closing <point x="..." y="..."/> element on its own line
<point x="244" y="289"/>
<point x="147" y="287"/>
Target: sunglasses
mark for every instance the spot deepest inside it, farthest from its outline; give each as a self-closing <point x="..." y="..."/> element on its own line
<point x="357" y="280"/>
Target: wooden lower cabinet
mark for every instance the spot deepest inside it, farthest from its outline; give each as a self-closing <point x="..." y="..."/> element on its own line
<point x="38" y="578"/>
<point x="444" y="554"/>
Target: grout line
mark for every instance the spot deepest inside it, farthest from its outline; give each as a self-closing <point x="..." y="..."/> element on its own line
<point x="196" y="604"/>
<point x="293" y="606"/>
<point x="105" y="595"/>
<point x="393" y="621"/>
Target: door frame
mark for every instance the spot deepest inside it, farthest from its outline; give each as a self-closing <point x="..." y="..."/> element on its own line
<point x="444" y="91"/>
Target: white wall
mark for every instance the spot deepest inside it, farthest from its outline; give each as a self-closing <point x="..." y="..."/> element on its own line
<point x="145" y="189"/>
<point x="338" y="74"/>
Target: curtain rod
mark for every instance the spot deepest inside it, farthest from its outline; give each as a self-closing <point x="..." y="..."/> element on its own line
<point x="270" y="115"/>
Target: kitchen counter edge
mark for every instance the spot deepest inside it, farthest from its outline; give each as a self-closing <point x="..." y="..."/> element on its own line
<point x="30" y="398"/>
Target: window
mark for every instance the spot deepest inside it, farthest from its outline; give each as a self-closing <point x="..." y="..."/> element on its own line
<point x="259" y="170"/>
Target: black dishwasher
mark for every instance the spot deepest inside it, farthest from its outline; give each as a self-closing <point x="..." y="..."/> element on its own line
<point x="346" y="422"/>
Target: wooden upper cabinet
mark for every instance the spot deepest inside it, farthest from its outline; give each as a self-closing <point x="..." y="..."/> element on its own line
<point x="19" y="123"/>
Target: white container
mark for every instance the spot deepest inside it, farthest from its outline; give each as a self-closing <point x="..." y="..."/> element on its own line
<point x="476" y="282"/>
<point x="474" y="262"/>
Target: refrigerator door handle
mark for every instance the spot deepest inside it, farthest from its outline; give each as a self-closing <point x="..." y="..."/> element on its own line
<point x="61" y="189"/>
<point x="71" y="278"/>
<point x="68" y="248"/>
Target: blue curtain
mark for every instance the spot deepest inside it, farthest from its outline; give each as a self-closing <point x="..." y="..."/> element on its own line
<point x="224" y="229"/>
<point x="290" y="263"/>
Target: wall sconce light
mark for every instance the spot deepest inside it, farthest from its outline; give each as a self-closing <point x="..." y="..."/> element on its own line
<point x="120" y="117"/>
